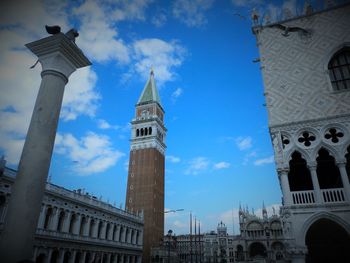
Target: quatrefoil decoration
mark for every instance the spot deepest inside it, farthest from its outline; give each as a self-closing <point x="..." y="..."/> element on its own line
<point x="333" y="135"/>
<point x="285" y="141"/>
<point x="306" y="138"/>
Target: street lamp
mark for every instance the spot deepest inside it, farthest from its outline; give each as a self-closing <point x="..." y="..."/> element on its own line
<point x="173" y="211"/>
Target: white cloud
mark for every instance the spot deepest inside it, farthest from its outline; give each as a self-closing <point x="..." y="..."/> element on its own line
<point x="18" y="94"/>
<point x="192" y="12"/>
<point x="263" y="161"/>
<point x="126" y="165"/>
<point x="176" y="94"/>
<point x="173" y="159"/>
<point x="98" y="38"/>
<point x="248" y="156"/>
<point x="244" y="143"/>
<point x="159" y="19"/>
<point x="222" y="165"/>
<point x="80" y="96"/>
<point x="161" y="55"/>
<point x="197" y="165"/>
<point x="129" y="9"/>
<point x="104" y="125"/>
<point x="90" y="154"/>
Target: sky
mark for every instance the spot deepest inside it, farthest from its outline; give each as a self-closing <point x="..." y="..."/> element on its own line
<point x="219" y="153"/>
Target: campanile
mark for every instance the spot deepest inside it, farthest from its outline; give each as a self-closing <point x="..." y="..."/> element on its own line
<point x="145" y="189"/>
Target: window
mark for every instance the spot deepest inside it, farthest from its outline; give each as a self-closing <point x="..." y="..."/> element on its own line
<point x="339" y="69"/>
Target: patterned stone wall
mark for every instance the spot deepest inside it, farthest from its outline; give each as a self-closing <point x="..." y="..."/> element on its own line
<point x="294" y="67"/>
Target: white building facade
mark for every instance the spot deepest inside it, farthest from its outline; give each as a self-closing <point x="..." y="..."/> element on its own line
<point x="76" y="227"/>
<point x="305" y="63"/>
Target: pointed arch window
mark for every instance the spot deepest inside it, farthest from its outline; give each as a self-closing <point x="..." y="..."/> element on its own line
<point x="299" y="176"/>
<point x="339" y="70"/>
<point x="327" y="171"/>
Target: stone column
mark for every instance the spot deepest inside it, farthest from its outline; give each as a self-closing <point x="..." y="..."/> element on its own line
<point x="128" y="238"/>
<point x="109" y="257"/>
<point x="54" y="221"/>
<point x="72" y="256"/>
<point x="122" y="238"/>
<point x="317" y="191"/>
<point x="95" y="229"/>
<point x="110" y="231"/>
<point x="41" y="220"/>
<point x="121" y="258"/>
<point x="117" y="234"/>
<point x="87" y="226"/>
<point x="283" y="176"/>
<point x="83" y="257"/>
<point x="103" y="230"/>
<point x="66" y="221"/>
<point x="59" y="57"/>
<point x="345" y="180"/>
<point x="139" y="242"/>
<point x="49" y="255"/>
<point x="77" y="224"/>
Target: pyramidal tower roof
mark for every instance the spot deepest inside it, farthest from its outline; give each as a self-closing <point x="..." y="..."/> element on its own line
<point x="150" y="92"/>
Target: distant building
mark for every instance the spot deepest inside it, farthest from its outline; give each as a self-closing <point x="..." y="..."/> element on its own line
<point x="145" y="189"/>
<point x="75" y="226"/>
<point x="261" y="239"/>
<point x="305" y="63"/>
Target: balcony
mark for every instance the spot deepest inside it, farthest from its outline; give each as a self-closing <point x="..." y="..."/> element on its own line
<point x="333" y="195"/>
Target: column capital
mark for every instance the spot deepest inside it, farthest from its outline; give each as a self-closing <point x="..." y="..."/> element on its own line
<point x="312" y="165"/>
<point x="282" y="170"/>
<point x="58" y="53"/>
<point x="341" y="162"/>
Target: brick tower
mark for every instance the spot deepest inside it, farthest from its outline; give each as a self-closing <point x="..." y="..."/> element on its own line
<point x="145" y="190"/>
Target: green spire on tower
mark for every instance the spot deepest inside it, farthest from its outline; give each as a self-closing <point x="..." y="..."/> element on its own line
<point x="150" y="92"/>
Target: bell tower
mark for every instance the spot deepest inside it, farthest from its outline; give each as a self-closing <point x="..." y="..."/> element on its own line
<point x="145" y="188"/>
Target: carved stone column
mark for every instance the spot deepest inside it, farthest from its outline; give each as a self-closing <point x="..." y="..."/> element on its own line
<point x="66" y="221"/>
<point x="283" y="176"/>
<point x="117" y="234"/>
<point x="41" y="220"/>
<point x="77" y="224"/>
<point x="54" y="221"/>
<point x="59" y="57"/>
<point x="345" y="179"/>
<point x="312" y="167"/>
<point x="87" y="226"/>
<point x="95" y="228"/>
<point x="103" y="230"/>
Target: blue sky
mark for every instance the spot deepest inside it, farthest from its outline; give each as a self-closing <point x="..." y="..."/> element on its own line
<point x="218" y="147"/>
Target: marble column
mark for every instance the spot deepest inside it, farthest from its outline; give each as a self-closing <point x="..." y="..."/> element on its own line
<point x="87" y="227"/>
<point x="77" y="223"/>
<point x="103" y="230"/>
<point x="283" y="176"/>
<point x="54" y="221"/>
<point x="117" y="234"/>
<point x="59" y="57"/>
<point x="66" y="221"/>
<point x="41" y="220"/>
<point x="344" y="177"/>
<point x="312" y="167"/>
